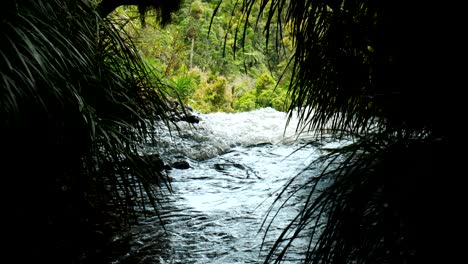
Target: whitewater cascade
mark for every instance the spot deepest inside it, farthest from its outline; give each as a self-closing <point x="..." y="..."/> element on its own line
<point x="239" y="163"/>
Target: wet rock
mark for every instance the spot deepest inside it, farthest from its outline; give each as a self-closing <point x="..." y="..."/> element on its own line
<point x="180" y="112"/>
<point x="191" y="119"/>
<point x="181" y="165"/>
<point x="155" y="161"/>
<point x="146" y="161"/>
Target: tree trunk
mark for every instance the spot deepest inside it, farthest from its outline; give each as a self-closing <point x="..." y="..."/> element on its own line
<point x="191" y="52"/>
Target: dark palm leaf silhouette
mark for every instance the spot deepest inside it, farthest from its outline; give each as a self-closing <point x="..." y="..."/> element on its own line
<point x="162" y="9"/>
<point x="381" y="73"/>
<point x="77" y="103"/>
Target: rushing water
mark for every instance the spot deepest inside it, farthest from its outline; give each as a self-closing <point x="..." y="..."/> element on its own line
<point x="239" y="164"/>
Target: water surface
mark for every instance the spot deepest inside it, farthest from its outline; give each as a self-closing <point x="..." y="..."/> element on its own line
<point x="239" y="165"/>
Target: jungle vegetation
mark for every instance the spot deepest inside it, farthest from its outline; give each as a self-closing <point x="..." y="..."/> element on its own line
<point x="212" y="65"/>
<point x="77" y="99"/>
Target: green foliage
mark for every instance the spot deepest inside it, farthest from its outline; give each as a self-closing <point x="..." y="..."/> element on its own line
<point x="196" y="9"/>
<point x="218" y="92"/>
<point x="212" y="95"/>
<point x="280" y="100"/>
<point x="246" y="102"/>
<point x="214" y="39"/>
<point x="185" y="85"/>
<point x="268" y="94"/>
<point x="264" y="82"/>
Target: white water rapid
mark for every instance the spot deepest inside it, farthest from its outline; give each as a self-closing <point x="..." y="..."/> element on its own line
<point x="238" y="165"/>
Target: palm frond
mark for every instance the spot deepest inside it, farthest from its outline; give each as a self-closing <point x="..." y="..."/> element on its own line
<point x="368" y="205"/>
<point x="162" y="9"/>
<point x="76" y="102"/>
<point x="354" y="64"/>
<point x="364" y="68"/>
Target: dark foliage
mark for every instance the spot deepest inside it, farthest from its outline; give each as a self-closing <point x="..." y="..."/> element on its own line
<point x="76" y="105"/>
<point x="386" y="74"/>
<point x="162" y="8"/>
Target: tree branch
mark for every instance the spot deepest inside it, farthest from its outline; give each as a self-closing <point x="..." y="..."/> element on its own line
<point x="107" y="6"/>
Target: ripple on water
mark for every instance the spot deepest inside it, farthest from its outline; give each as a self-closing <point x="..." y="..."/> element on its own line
<point x="219" y="204"/>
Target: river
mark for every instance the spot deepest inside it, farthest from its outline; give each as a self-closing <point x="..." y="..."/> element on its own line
<point x="239" y="164"/>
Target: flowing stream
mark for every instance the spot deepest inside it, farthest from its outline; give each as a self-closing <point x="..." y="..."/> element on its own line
<point x="239" y="164"/>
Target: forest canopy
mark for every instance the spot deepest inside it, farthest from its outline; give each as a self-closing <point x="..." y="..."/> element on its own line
<point x="209" y="61"/>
